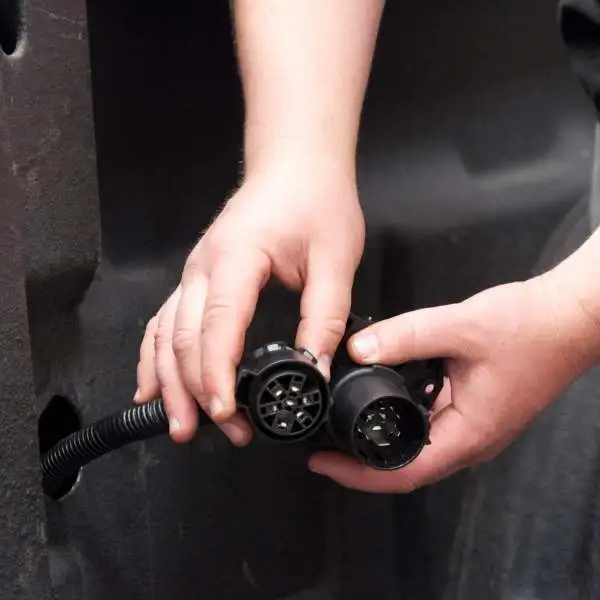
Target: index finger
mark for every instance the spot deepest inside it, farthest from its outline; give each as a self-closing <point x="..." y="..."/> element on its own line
<point x="234" y="286"/>
<point x="455" y="444"/>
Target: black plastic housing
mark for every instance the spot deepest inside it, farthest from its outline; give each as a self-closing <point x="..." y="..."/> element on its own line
<point x="378" y="414"/>
<point x="282" y="392"/>
<point x="374" y="418"/>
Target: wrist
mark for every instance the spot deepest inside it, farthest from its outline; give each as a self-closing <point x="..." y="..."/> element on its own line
<point x="266" y="148"/>
<point x="577" y="276"/>
<point x="306" y="163"/>
<point x="574" y="316"/>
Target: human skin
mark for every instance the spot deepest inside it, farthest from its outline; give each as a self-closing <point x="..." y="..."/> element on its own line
<point x="510" y="350"/>
<point x="304" y="68"/>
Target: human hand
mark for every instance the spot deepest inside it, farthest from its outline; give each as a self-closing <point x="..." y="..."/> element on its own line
<point x="300" y="222"/>
<point x="511" y="350"/>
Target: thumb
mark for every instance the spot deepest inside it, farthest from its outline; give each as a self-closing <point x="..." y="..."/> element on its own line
<point x="418" y="335"/>
<point x="324" y="310"/>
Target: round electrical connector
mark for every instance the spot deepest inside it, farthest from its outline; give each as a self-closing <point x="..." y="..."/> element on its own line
<point x="374" y="418"/>
<point x="283" y="393"/>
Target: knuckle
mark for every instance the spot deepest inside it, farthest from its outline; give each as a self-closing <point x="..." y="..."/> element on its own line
<point x="162" y="340"/>
<point x="185" y="341"/>
<point x="191" y="271"/>
<point x="335" y="326"/>
<point x="216" y="312"/>
<point x="171" y="389"/>
<point x="213" y="244"/>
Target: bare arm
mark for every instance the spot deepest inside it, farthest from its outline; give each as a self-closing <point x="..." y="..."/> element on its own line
<point x="511" y="350"/>
<point x="305" y="66"/>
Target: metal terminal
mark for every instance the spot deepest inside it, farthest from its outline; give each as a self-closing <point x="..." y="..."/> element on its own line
<point x="308" y="354"/>
<point x="269" y="348"/>
<point x="290" y="404"/>
<point x="381" y="426"/>
<point x="284" y="421"/>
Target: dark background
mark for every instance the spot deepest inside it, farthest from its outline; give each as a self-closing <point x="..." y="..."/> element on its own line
<point x="120" y="127"/>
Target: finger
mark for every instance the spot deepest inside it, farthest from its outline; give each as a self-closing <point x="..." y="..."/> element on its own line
<point x="179" y="403"/>
<point x="350" y="473"/>
<point x="186" y="334"/>
<point x="237" y="429"/>
<point x="454" y="445"/>
<point x="187" y="348"/>
<point x="324" y="310"/>
<point x="234" y="286"/>
<point x="427" y="333"/>
<point x="148" y="387"/>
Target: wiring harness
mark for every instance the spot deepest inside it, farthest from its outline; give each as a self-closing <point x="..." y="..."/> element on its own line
<point x="378" y="414"/>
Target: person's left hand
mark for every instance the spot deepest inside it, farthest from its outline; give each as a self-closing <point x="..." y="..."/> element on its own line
<point x="510" y="351"/>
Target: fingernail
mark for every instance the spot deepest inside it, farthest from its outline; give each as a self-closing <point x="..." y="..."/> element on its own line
<point x="136" y="396"/>
<point x="365" y="345"/>
<point x="216" y="407"/>
<point x="235" y="433"/>
<point x="174" y="425"/>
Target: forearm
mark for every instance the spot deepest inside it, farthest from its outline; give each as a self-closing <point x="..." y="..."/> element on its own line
<point x="304" y="68"/>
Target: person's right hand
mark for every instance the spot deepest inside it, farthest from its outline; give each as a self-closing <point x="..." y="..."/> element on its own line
<point x="299" y="222"/>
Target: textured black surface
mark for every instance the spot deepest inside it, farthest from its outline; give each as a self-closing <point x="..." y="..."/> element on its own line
<point x="23" y="568"/>
<point x="49" y="238"/>
<point x="476" y="144"/>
